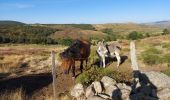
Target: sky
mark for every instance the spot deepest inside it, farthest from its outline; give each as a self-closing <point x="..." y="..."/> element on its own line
<point x="84" y="11"/>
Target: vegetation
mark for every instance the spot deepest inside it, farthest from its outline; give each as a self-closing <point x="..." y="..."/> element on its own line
<point x="65" y="41"/>
<point x="95" y="74"/>
<point x="80" y="26"/>
<point x="11" y="23"/>
<point x="26" y="34"/>
<point x="135" y="35"/>
<point x="165" y="31"/>
<point x="167" y="72"/>
<point x="111" y="36"/>
<point x="151" y="56"/>
<point x="17" y="94"/>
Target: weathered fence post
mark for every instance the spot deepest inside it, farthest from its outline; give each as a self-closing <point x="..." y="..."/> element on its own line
<point x="53" y="73"/>
<point x="134" y="63"/>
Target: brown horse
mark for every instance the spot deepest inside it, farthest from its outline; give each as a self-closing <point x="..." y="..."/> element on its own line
<point x="78" y="51"/>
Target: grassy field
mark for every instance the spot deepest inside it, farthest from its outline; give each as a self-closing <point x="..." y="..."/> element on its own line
<point x="19" y="60"/>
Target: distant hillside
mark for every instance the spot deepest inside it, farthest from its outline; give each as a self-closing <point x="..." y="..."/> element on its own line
<point x="18" y="32"/>
<point x="126" y="28"/>
<point x="162" y="24"/>
<point x="10" y="22"/>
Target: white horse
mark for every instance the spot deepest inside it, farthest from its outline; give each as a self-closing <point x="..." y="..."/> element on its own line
<point x="105" y="50"/>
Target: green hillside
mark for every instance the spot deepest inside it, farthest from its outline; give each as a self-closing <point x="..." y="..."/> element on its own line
<point x="11" y="23"/>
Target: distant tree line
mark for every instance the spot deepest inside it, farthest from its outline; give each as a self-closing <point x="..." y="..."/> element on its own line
<point x="30" y="34"/>
<point x="80" y="26"/>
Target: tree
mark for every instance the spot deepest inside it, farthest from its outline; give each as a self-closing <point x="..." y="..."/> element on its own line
<point x="135" y="35"/>
<point x="165" y="31"/>
<point x="107" y="31"/>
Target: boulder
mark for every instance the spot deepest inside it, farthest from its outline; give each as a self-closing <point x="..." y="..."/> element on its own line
<point x="123" y="86"/>
<point x="90" y="91"/>
<point x="110" y="90"/>
<point x="97" y="87"/>
<point x="77" y="91"/>
<point x="125" y="94"/>
<point x="95" y="98"/>
<point x="107" y="81"/>
<point x="158" y="79"/>
<point x="164" y="94"/>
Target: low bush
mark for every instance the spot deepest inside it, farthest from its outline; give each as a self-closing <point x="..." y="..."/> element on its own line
<point x="95" y="74"/>
<point x="167" y="72"/>
<point x="135" y="35"/>
<point x="65" y="41"/>
<point x="152" y="56"/>
<point x="151" y="59"/>
<point x="166" y="58"/>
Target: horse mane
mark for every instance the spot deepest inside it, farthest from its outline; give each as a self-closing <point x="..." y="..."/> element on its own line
<point x="73" y="51"/>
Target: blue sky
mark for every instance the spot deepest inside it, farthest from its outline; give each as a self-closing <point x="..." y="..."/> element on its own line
<point x="84" y="11"/>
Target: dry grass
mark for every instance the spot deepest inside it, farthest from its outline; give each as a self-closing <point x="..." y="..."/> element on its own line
<point x="33" y="56"/>
<point x="17" y="94"/>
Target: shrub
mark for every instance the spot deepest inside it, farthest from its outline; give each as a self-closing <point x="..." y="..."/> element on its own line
<point x="151" y="56"/>
<point x="95" y="74"/>
<point x="151" y="59"/>
<point x="152" y="50"/>
<point x="166" y="45"/>
<point x="166" y="58"/>
<point x="65" y="41"/>
<point x="165" y="31"/>
<point x="107" y="31"/>
<point x="111" y="37"/>
<point x="135" y="35"/>
<point x="82" y="26"/>
<point x="167" y="72"/>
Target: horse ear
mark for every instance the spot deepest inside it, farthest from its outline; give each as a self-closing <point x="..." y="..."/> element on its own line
<point x="98" y="43"/>
<point x="103" y="41"/>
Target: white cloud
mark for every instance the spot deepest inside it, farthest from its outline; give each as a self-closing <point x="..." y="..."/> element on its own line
<point x="16" y="5"/>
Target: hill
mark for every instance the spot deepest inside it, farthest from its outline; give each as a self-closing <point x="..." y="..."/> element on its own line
<point x="10" y="22"/>
<point x="18" y="32"/>
<point x="125" y="28"/>
<point x="162" y="24"/>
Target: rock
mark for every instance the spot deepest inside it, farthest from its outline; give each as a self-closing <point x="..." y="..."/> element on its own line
<point x="164" y="94"/>
<point x="77" y="91"/>
<point x="95" y="98"/>
<point x="123" y="86"/>
<point x="105" y="96"/>
<point x="125" y="94"/>
<point x="109" y="90"/>
<point x="97" y="87"/>
<point x="90" y="91"/>
<point x="107" y="81"/>
<point x="158" y="79"/>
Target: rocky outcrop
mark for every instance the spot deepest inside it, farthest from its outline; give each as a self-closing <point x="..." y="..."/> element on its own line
<point x="78" y="92"/>
<point x="146" y="86"/>
<point x="158" y="79"/>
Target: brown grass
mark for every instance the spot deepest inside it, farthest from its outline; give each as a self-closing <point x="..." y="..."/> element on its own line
<point x="17" y="94"/>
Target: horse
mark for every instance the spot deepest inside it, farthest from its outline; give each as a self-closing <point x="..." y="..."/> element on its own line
<point x="78" y="51"/>
<point x="105" y="50"/>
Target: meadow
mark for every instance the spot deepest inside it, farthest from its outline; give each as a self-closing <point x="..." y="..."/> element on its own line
<point x="25" y="64"/>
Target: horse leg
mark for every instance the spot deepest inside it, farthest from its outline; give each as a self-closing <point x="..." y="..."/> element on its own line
<point x="101" y="63"/>
<point x="73" y="70"/>
<point x="103" y="58"/>
<point x="118" y="59"/>
<point x="81" y="66"/>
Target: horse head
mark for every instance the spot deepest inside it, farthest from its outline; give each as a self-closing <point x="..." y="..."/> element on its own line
<point x="102" y="49"/>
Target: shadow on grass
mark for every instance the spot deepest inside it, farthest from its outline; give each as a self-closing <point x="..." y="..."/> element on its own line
<point x="29" y="83"/>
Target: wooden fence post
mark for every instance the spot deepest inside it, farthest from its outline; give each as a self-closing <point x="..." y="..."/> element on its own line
<point x="53" y="73"/>
<point x="134" y="65"/>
